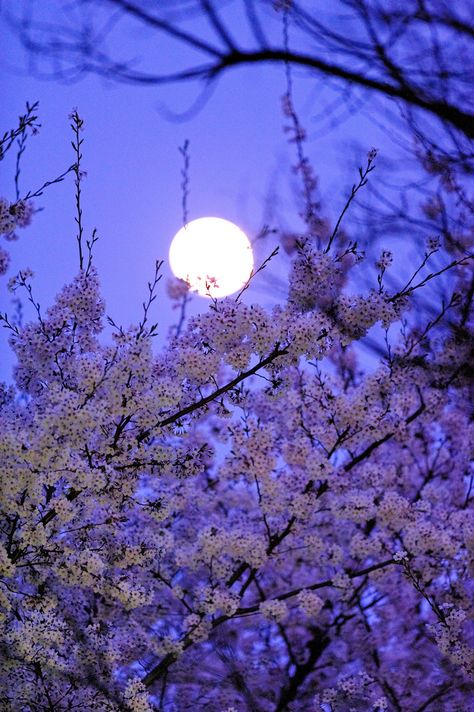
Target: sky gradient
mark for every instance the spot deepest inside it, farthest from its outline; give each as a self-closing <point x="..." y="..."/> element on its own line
<point x="240" y="169"/>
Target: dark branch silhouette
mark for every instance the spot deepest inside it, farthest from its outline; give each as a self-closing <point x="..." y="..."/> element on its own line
<point x="418" y="53"/>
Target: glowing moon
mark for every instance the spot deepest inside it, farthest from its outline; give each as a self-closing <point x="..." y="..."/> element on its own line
<point x="212" y="255"/>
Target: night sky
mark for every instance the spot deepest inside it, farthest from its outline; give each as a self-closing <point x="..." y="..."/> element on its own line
<point x="240" y="169"/>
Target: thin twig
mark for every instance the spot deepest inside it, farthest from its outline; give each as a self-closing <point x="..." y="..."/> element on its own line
<point x="28" y="120"/>
<point x="151" y="298"/>
<point x="40" y="191"/>
<point x="77" y="126"/>
<point x="409" y="290"/>
<point x="363" y="179"/>
<point x="21" y="149"/>
<point x="184" y="151"/>
<point x="254" y="272"/>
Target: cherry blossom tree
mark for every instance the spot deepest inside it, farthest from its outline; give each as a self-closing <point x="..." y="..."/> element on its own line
<point x="249" y="518"/>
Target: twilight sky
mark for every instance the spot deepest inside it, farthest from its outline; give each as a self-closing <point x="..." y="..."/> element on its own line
<point x="239" y="155"/>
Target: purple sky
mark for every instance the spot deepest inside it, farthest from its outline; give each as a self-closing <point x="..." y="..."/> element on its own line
<point x="132" y="194"/>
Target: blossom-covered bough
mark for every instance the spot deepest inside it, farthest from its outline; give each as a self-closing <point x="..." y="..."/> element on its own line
<point x="247" y="519"/>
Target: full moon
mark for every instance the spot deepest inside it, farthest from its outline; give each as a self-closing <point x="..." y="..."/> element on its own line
<point x="212" y="255"/>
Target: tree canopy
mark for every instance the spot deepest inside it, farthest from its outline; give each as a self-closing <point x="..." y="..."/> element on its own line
<point x="250" y="518"/>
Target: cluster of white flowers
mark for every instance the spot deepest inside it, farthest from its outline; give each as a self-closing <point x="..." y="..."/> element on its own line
<point x="13" y="215"/>
<point x="7" y="217"/>
<point x="315" y="279"/>
<point x="385" y="260"/>
<point x="4" y="260"/>
<point x="171" y="646"/>
<point x="362" y="546"/>
<point x="131" y="595"/>
<point x="239" y="545"/>
<point x="197" y="365"/>
<point x="394" y="510"/>
<point x="218" y="599"/>
<point x="274" y="610"/>
<point x="198" y="631"/>
<point x="356" y="313"/>
<point x="422" y="535"/>
<point x="449" y="638"/>
<point x="343" y="583"/>
<point x="352" y="692"/>
<point x="310" y="602"/>
<point x="356" y="506"/>
<point x="136" y="697"/>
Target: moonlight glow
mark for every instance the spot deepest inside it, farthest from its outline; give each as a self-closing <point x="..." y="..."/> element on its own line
<point x="212" y="255"/>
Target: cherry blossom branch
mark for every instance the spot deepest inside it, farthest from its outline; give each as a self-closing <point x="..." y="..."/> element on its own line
<point x="412" y="576"/>
<point x="7" y="324"/>
<point x="410" y="289"/>
<point x="151" y="298"/>
<point x="425" y="259"/>
<point x="443" y="690"/>
<point x="46" y="184"/>
<point x="277" y="351"/>
<point x="373" y="446"/>
<point x="159" y="669"/>
<point x="259" y="269"/>
<point x="363" y="179"/>
<point x="21" y="149"/>
<point x="77" y="126"/>
<point x="445" y="307"/>
<point x="90" y="246"/>
<point x="316" y="646"/>
<point x="277" y="539"/>
<point x="28" y="120"/>
<point x="313" y="587"/>
<point x="298" y="134"/>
